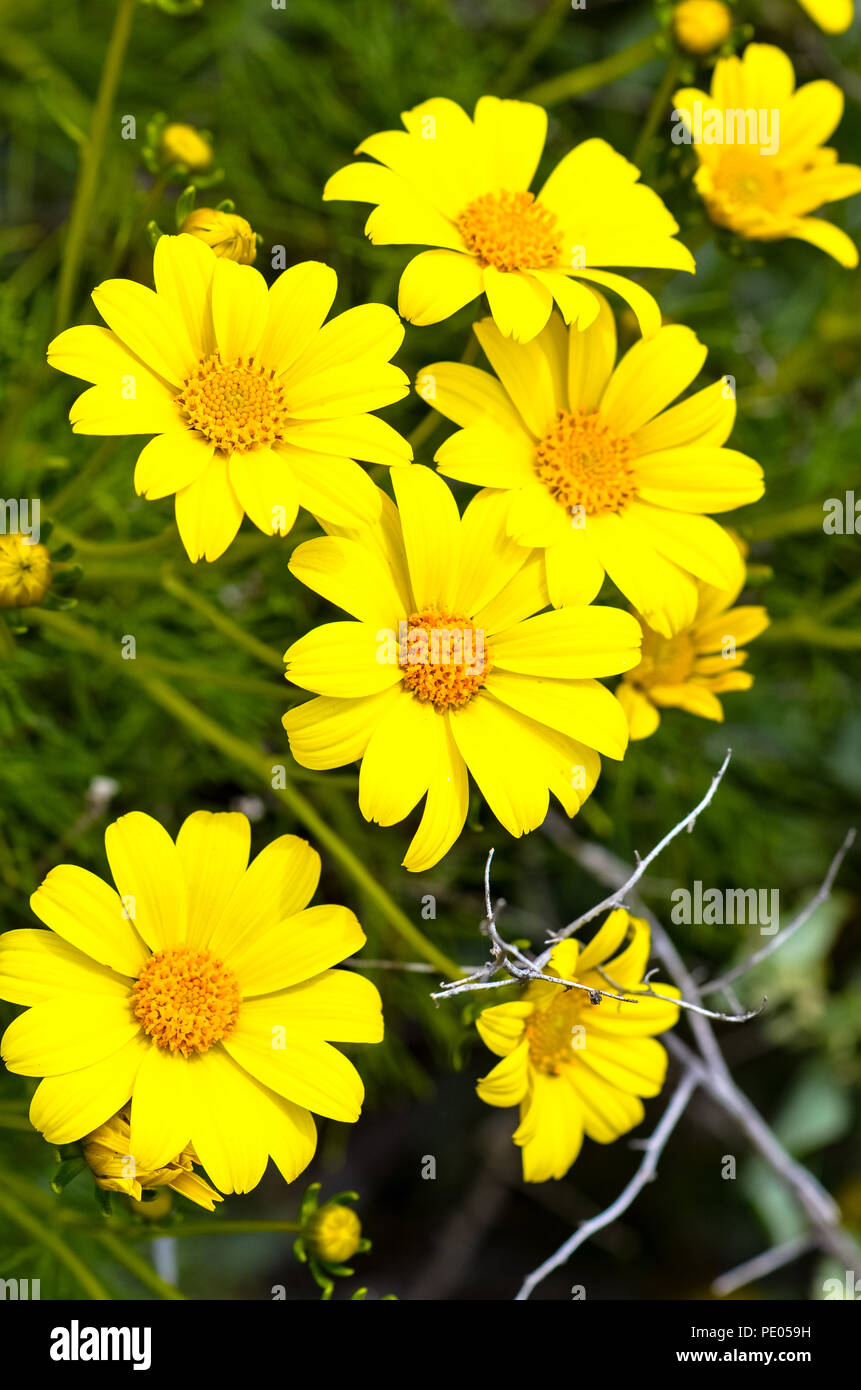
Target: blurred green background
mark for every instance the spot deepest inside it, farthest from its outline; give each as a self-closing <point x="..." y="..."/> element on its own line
<point x="287" y="95"/>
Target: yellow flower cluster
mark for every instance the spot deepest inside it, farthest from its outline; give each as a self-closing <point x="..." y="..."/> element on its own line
<point x="472" y="644"/>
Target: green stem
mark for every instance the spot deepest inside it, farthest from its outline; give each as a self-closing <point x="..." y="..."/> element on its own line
<point x="116" y="550"/>
<point x="221" y="622"/>
<point x="139" y="1267"/>
<point x="260" y="765"/>
<point x="771" y="528"/>
<point x="79" y="218"/>
<point x="594" y="75"/>
<point x="658" y="106"/>
<point x="24" y="1218"/>
<point x="807" y="629"/>
<point x="540" y="34"/>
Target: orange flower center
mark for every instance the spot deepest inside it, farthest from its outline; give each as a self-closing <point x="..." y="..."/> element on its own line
<point x="442" y="657"/>
<point x="511" y="231"/>
<point x="186" y="1000"/>
<point x="583" y="463"/>
<point x="238" y="405"/>
<point x="743" y="183"/>
<point x="665" y="660"/>
<point x="553" y="1033"/>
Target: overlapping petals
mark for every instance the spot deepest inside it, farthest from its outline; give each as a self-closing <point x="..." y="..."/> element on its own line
<point x="577" y="1068"/>
<point x="765" y="187"/>
<point x="599" y="469"/>
<point x="258" y="406"/>
<point x="533" y="692"/>
<point x="460" y="186"/>
<point x="196" y="910"/>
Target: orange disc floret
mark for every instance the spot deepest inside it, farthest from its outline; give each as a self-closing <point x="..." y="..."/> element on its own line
<point x="511" y="231"/>
<point x="583" y="463"/>
<point x="238" y="405"/>
<point x="443" y="658"/>
<point x="186" y="1000"/>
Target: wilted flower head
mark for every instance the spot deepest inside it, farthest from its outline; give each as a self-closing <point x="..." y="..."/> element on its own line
<point x="227" y="233"/>
<point x="107" y="1151"/>
<point x="25" y="572"/>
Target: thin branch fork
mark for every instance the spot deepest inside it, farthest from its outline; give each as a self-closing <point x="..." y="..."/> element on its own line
<point x="645" y="1173"/>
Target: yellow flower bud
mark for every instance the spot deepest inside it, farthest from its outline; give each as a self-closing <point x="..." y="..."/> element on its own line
<point x="702" y="25"/>
<point x="228" y="234"/>
<point x="25" y="572"/>
<point x="182" y="144"/>
<point x="107" y="1151"/>
<point x="333" y="1233"/>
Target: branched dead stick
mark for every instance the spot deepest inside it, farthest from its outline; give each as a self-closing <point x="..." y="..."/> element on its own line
<point x="650" y="993"/>
<point x="819" y="1207"/>
<point x="617" y="898"/>
<point x="766" y="1263"/>
<point x="806" y="913"/>
<point x="627" y="1196"/>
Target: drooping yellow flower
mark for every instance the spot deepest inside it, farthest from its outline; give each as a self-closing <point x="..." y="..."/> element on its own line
<point x="258" y="407"/>
<point x="182" y="144"/>
<point x="25" y="571"/>
<point x="461" y="186"/>
<point x="702" y="661"/>
<point x="447" y="669"/>
<point x="702" y="25"/>
<point x="107" y="1151"/>
<point x="596" y="470"/>
<point x="201" y="990"/>
<point x="759" y="143"/>
<point x="832" y="16"/>
<point x="572" y="1066"/>
<point x="227" y="233"/>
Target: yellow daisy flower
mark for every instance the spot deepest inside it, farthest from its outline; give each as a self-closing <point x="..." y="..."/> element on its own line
<point x="201" y="990"/>
<point x="596" y="470"/>
<point x="447" y="669"/>
<point x="702" y="661"/>
<point x="763" y="187"/>
<point x="25" y="571"/>
<point x="108" y="1154"/>
<point x="572" y="1066"/>
<point x="832" y="16"/>
<point x="461" y="186"/>
<point x="258" y="408"/>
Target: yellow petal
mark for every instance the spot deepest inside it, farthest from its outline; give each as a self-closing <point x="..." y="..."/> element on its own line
<point x="512" y="134"/>
<point x="365" y="437"/>
<point x="431" y="531"/>
<point x="346" y="659"/>
<point x="266" y="488"/>
<point x="501" y="1027"/>
<point x="570" y="642"/>
<point x="331" y="488"/>
<point x="239" y="308"/>
<point x="149" y="327"/>
<point x="337" y="1006"/>
<point x="643" y="718"/>
<point x="183" y="267"/>
<point x="699" y="478"/>
<point x="68" y="1032"/>
<point x="39" y="965"/>
<point x="67" y="1107"/>
<point x="585" y="710"/>
<point x="390" y="784"/>
<point x="86" y="912"/>
<point x="171" y="462"/>
<point x="520" y="303"/>
<point x="467" y="395"/>
<point x="352" y="577"/>
<point x="526" y="373"/>
<point x="326" y="733"/>
<point x="213" y="850"/>
<point x="277" y="884"/>
<point x="297" y="306"/>
<point x="208" y="512"/>
<point x="161" y="1108"/>
<point x="148" y="873"/>
<point x="435" y="284"/>
<point x="446" y="804"/>
<point x="307" y="1071"/>
<point x="292" y="950"/>
<point x="650" y="375"/>
<point x="507" y="1082"/>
